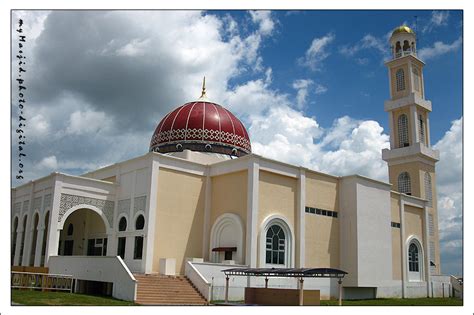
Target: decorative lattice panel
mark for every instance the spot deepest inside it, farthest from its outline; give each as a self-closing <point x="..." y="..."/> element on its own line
<point x="26" y="205"/>
<point x="17" y="207"/>
<point x="124" y="207"/>
<point x="69" y="201"/>
<point x="47" y="202"/>
<point x="37" y="203"/>
<point x="139" y="204"/>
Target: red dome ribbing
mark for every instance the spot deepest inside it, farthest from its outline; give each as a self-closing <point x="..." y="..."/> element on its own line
<point x="201" y="126"/>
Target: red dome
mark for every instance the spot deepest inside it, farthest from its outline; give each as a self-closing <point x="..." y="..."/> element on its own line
<point x="201" y="126"/>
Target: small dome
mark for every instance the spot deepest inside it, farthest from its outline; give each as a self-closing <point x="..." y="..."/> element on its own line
<point x="201" y="126"/>
<point x="403" y="29"/>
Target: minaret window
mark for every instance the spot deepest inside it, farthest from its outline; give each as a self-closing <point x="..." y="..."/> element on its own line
<point x="428" y="189"/>
<point x="416" y="79"/>
<point x="398" y="49"/>
<point x="400" y="80"/>
<point x="421" y="125"/>
<point x="404" y="183"/>
<point x="403" y="131"/>
<point x="406" y="47"/>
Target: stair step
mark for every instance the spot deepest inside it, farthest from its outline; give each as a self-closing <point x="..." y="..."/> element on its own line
<point x="167" y="290"/>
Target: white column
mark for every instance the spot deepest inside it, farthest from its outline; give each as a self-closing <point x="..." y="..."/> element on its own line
<point x="300" y="223"/>
<point x="53" y="233"/>
<point x="29" y="230"/>
<point x="402" y="245"/>
<point x="19" y="235"/>
<point x="252" y="212"/>
<point x="39" y="244"/>
<point x="207" y="217"/>
<point x="149" y="241"/>
<point x="427" y="123"/>
<point x="414" y="130"/>
<point x="426" y="246"/>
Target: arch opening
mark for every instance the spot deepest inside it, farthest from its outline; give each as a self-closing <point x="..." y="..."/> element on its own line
<point x="83" y="233"/>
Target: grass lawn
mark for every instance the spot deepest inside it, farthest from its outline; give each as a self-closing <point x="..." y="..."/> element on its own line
<point x="27" y="297"/>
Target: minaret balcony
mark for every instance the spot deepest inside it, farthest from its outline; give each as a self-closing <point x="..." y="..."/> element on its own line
<point x="416" y="150"/>
<point x="412" y="98"/>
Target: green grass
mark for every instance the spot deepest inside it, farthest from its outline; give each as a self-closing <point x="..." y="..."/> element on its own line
<point x="27" y="297"/>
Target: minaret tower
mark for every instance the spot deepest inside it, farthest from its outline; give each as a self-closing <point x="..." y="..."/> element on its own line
<point x="411" y="160"/>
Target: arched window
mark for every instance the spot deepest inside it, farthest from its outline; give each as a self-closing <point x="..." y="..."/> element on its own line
<point x="45" y="237"/>
<point x="413" y="261"/>
<point x="421" y="126"/>
<point x="70" y="229"/>
<point x="275" y="245"/>
<point x="404" y="183"/>
<point x="122" y="224"/>
<point x="400" y="76"/>
<point x="22" y="244"/>
<point x="403" y="131"/>
<point x="428" y="189"/>
<point x="140" y="222"/>
<point x="406" y="46"/>
<point x="398" y="49"/>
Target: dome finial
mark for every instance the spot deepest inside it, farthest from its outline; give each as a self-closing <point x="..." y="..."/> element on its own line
<point x="203" y="94"/>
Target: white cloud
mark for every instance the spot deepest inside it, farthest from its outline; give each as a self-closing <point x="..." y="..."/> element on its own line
<point x="368" y="42"/>
<point x="48" y="163"/>
<point x="301" y="86"/>
<point x="317" y="52"/>
<point x="137" y="47"/>
<point x="88" y="122"/>
<point x="439" y="48"/>
<point x="320" y="89"/>
<point x="438" y="18"/>
<point x="264" y="20"/>
<point x="449" y="187"/>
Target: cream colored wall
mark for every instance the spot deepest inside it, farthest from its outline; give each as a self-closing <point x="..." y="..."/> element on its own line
<point x="110" y="179"/>
<point x="229" y="195"/>
<point x="277" y="195"/>
<point x="321" y="191"/>
<point x="414" y="223"/>
<point x="321" y="241"/>
<point x="321" y="232"/>
<point x="179" y="217"/>
<point x="396" y="250"/>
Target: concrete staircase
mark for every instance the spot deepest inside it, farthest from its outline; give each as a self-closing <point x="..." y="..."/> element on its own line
<point x="167" y="290"/>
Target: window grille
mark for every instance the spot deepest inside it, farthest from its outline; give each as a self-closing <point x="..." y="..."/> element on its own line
<point x="404" y="183"/>
<point x="421" y="125"/>
<point x="428" y="189"/>
<point x="413" y="261"/>
<point x="400" y="80"/>
<point x="403" y="131"/>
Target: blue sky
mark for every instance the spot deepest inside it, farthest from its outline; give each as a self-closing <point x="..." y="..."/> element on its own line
<point x="308" y="85"/>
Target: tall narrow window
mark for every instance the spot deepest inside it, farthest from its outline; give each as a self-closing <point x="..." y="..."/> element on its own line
<point x="275" y="245"/>
<point x="404" y="183"/>
<point x="138" y="252"/>
<point x="45" y="237"/>
<point x="421" y="126"/>
<point x="413" y="262"/>
<point x="403" y="131"/>
<point x="121" y="247"/>
<point x="416" y="79"/>
<point x="400" y="80"/>
<point x="123" y="224"/>
<point x="428" y="189"/>
<point x="70" y="229"/>
<point x="22" y="244"/>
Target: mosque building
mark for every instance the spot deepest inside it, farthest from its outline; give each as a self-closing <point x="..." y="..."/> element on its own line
<point x="200" y="201"/>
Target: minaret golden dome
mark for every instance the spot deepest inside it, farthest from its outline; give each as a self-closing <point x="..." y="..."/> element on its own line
<point x="403" y="29"/>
